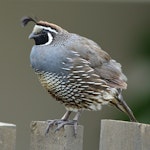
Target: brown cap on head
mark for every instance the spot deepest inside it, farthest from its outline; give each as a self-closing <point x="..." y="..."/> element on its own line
<point x="47" y="24"/>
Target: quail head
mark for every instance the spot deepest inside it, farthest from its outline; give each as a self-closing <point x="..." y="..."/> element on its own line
<point x="75" y="71"/>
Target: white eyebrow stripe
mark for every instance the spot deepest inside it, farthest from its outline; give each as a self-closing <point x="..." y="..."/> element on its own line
<point x="36" y="27"/>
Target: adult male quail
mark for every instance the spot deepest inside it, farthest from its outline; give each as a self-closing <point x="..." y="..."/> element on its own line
<point x="75" y="71"/>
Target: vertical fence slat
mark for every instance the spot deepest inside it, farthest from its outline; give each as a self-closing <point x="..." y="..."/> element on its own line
<point x="145" y="136"/>
<point x="121" y="135"/>
<point x="7" y="136"/>
<point x="63" y="139"/>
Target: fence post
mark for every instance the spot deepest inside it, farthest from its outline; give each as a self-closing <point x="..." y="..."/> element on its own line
<point x="63" y="139"/>
<point x="7" y="136"/>
<point x="122" y="135"/>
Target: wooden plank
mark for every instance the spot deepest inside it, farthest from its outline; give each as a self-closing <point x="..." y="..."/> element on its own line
<point x="122" y="135"/>
<point x="145" y="136"/>
<point x="7" y="136"/>
<point x="63" y="139"/>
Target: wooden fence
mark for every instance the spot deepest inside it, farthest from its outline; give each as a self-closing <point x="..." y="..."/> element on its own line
<point x="7" y="136"/>
<point x="114" y="135"/>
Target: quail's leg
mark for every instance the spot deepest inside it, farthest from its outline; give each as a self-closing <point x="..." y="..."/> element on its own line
<point x="58" y="121"/>
<point x="76" y="119"/>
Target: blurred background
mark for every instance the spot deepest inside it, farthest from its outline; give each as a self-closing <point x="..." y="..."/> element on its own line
<point x="120" y="28"/>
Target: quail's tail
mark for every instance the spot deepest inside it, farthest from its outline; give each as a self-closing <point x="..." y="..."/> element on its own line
<point x="121" y="105"/>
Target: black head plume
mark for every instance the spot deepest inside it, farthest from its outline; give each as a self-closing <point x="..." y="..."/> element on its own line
<point x="26" y="19"/>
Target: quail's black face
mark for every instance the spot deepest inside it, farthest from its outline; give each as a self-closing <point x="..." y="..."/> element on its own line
<point x="40" y="38"/>
<point x="42" y="35"/>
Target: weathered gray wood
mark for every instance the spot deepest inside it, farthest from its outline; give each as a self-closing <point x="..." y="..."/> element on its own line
<point x="7" y="136"/>
<point x="121" y="135"/>
<point x="63" y="139"/>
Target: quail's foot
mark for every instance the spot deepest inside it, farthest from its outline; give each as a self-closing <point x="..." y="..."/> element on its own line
<point x="64" y="121"/>
<point x="61" y="123"/>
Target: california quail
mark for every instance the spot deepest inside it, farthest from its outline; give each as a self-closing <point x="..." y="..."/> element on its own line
<point x="75" y="71"/>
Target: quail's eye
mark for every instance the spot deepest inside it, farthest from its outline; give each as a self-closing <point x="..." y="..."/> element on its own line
<point x="43" y="32"/>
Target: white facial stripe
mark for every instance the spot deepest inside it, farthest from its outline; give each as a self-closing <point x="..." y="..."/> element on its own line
<point x="50" y="39"/>
<point x="38" y="27"/>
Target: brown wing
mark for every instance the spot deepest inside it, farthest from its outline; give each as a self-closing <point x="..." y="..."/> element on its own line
<point x="107" y="68"/>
